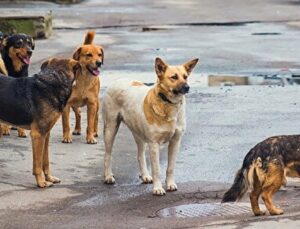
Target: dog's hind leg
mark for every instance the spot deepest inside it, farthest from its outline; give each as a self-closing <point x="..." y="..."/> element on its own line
<point x="21" y="133"/>
<point x="273" y="182"/>
<point x="254" y="196"/>
<point x="173" y="149"/>
<point x="66" y="125"/>
<point x="96" y="120"/>
<point x="38" y="144"/>
<point x="111" y="126"/>
<point x="144" y="174"/>
<point x="267" y="198"/>
<point x="77" y="130"/>
<point x="155" y="167"/>
<point x="46" y="166"/>
<point x="92" y="108"/>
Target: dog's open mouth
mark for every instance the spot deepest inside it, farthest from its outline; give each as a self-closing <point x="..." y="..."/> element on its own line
<point x="93" y="71"/>
<point x="25" y="60"/>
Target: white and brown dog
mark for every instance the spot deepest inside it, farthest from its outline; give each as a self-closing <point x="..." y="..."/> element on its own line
<point x="155" y="115"/>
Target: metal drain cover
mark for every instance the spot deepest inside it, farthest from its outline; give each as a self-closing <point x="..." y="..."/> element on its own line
<point x="203" y="210"/>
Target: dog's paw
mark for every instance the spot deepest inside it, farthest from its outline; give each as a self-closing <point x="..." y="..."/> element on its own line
<point x="171" y="187"/>
<point x="159" y="191"/>
<point x="22" y="134"/>
<point x="96" y="135"/>
<point x="260" y="213"/>
<point x="109" y="179"/>
<point x="91" y="141"/>
<point x="52" y="179"/>
<point x="276" y="211"/>
<point x="44" y="184"/>
<point x="147" y="179"/>
<point x="76" y="132"/>
<point x="67" y="140"/>
<point x="5" y="131"/>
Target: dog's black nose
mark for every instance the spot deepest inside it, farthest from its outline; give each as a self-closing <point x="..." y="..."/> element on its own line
<point x="98" y="63"/>
<point x="185" y="89"/>
<point x="29" y="52"/>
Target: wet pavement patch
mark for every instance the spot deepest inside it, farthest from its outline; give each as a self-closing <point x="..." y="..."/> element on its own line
<point x="205" y="210"/>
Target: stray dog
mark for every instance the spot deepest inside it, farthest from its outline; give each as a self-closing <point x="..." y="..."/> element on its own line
<point x="35" y="103"/>
<point x="155" y="115"/>
<point x="16" y="53"/>
<point x="85" y="91"/>
<point x="264" y="170"/>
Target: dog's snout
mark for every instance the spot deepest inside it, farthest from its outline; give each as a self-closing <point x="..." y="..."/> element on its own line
<point x="29" y="52"/>
<point x="185" y="89"/>
<point x="98" y="63"/>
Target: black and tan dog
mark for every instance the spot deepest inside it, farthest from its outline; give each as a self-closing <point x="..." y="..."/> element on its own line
<point x="16" y="53"/>
<point x="35" y="103"/>
<point x="85" y="91"/>
<point x="264" y="170"/>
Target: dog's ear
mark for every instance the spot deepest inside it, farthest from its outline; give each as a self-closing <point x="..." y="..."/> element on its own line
<point x="45" y="64"/>
<point x="33" y="44"/>
<point x="189" y="66"/>
<point x="75" y="65"/>
<point x="160" y="67"/>
<point x="76" y="54"/>
<point x="4" y="40"/>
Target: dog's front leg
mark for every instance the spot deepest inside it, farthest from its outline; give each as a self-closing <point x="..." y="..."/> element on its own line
<point x="91" y="114"/>
<point x="46" y="167"/>
<point x="66" y="125"/>
<point x="173" y="148"/>
<point x="38" y="143"/>
<point x="154" y="157"/>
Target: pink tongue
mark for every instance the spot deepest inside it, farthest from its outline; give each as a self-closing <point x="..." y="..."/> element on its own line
<point x="96" y="72"/>
<point x="27" y="60"/>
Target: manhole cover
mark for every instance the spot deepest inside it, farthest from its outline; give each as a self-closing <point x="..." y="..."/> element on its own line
<point x="203" y="210"/>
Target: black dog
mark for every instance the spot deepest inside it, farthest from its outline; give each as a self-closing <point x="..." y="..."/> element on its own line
<point x="36" y="103"/>
<point x="16" y="53"/>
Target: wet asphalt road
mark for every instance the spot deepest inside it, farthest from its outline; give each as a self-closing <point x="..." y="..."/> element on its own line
<point x="222" y="123"/>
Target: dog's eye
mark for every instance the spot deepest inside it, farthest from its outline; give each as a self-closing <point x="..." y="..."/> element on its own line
<point x="185" y="77"/>
<point x="89" y="55"/>
<point x="174" y="77"/>
<point x="100" y="54"/>
<point x="19" y="44"/>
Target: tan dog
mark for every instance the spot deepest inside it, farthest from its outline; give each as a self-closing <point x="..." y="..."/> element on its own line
<point x="85" y="91"/>
<point x="155" y="115"/>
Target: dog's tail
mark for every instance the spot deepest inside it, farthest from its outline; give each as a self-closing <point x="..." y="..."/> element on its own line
<point x="244" y="177"/>
<point x="239" y="187"/>
<point x="89" y="38"/>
